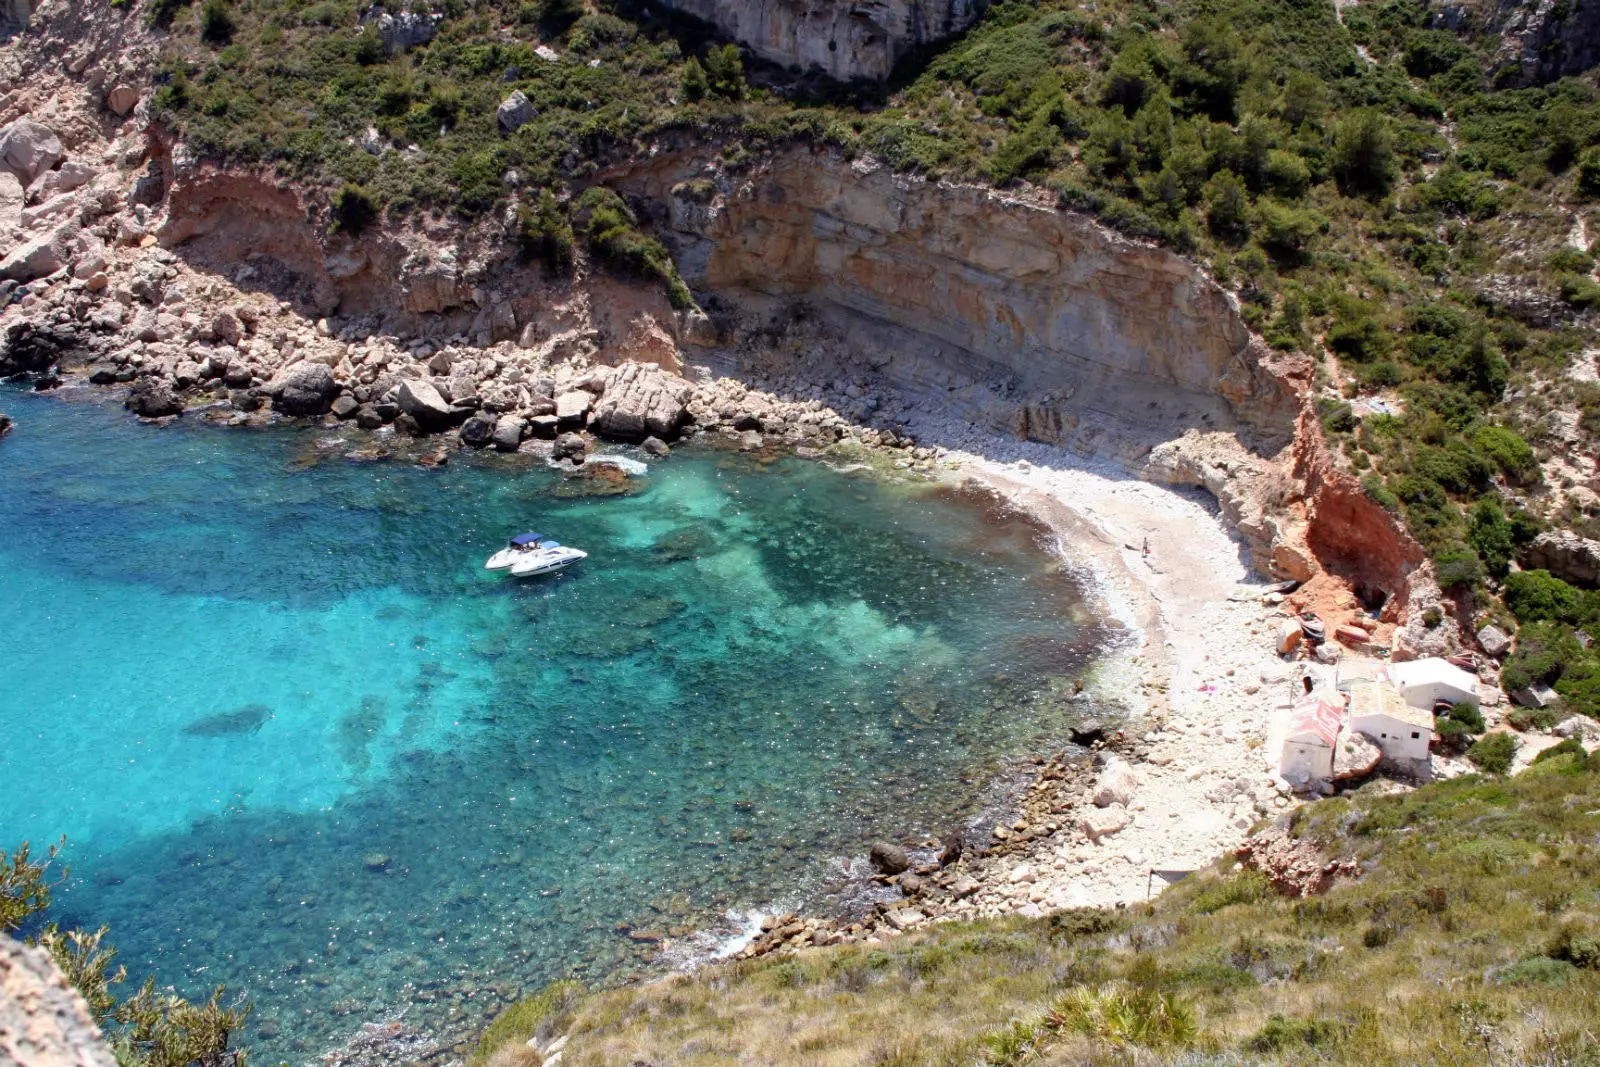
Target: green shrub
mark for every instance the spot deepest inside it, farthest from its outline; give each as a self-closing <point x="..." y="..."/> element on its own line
<point x="542" y="1016"/>
<point x="1245" y="887"/>
<point x="1379" y="493"/>
<point x="1537" y="971"/>
<point x="1525" y="719"/>
<point x="1579" y="290"/>
<point x="354" y="209"/>
<point x="164" y="12"/>
<point x="1360" y="338"/>
<point x="1457" y="568"/>
<point x="1282" y="1034"/>
<point x="1122" y="1015"/>
<point x="1570" y="747"/>
<point x="610" y="229"/>
<point x="1538" y="595"/>
<point x="1493" y="753"/>
<point x="1363" y="149"/>
<point x="725" y="72"/>
<point x="693" y="82"/>
<point x="1576" y="943"/>
<point x="1227" y="206"/>
<point x="1469" y="715"/>
<point x="216" y="22"/>
<point x="544" y="233"/>
<point x="1507" y="450"/>
<point x="1489" y="534"/>
<point x="1589" y="171"/>
<point x="1454" y="736"/>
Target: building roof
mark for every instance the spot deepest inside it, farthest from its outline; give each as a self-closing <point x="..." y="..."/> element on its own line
<point x="1434" y="671"/>
<point x="1376" y="698"/>
<point x="1316" y="720"/>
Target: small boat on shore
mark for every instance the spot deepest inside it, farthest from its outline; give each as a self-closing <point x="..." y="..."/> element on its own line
<point x="530" y="554"/>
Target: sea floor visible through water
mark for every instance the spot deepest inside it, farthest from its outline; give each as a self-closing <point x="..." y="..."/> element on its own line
<point x="301" y="743"/>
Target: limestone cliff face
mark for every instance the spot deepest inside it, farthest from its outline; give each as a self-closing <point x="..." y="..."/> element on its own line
<point x="861" y="39"/>
<point x="1016" y="315"/>
<point x="1539" y="41"/>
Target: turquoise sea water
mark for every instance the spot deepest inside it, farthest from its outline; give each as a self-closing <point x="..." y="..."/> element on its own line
<point x="301" y="743"/>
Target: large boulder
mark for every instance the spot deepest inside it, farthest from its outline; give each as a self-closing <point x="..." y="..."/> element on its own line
<point x="122" y="99"/>
<point x="152" y="398"/>
<point x="508" y="430"/>
<point x="28" y="149"/>
<point x="887" y="858"/>
<point x="1117" y="784"/>
<point x="515" y="112"/>
<point x="641" y="400"/>
<point x="423" y="402"/>
<point x="42" y="255"/>
<point x="303" y="388"/>
<point x="569" y="446"/>
<point x="1103" y="822"/>
<point x="572" y="409"/>
<point x="1355" y="756"/>
<point x="478" y="430"/>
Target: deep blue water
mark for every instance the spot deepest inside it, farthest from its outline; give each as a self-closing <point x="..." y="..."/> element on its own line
<point x="301" y="743"/>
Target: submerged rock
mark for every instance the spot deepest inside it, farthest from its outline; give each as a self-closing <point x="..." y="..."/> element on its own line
<point x="245" y="720"/>
<point x="887" y="858"/>
<point x="5" y="424"/>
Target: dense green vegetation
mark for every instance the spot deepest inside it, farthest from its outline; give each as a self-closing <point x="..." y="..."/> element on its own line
<point x="150" y="1027"/>
<point x="1359" y="182"/>
<point x="1472" y="937"/>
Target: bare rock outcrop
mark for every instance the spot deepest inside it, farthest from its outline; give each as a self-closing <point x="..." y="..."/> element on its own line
<point x="1539" y="42"/>
<point x="1295" y="866"/>
<point x="641" y="401"/>
<point x="843" y="40"/>
<point x="1567" y="556"/>
<point x="44" y="1022"/>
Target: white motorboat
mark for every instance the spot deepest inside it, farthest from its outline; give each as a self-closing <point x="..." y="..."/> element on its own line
<point x="531" y="554"/>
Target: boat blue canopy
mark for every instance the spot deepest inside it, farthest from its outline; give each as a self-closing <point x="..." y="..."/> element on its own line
<point x="523" y="540"/>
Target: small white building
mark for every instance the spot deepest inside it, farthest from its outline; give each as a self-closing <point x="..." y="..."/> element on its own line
<point x="1313" y="730"/>
<point x="1426" y="682"/>
<point x="1400" y="728"/>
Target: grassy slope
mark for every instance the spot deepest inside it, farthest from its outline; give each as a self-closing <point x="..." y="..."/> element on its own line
<point x="1457" y="947"/>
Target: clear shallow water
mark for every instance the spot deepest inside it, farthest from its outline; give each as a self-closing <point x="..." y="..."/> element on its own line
<point x="301" y="743"/>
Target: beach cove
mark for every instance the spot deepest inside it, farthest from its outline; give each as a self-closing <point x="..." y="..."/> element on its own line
<point x="328" y="761"/>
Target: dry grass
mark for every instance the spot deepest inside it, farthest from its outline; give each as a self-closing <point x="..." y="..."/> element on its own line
<point x="1447" y="952"/>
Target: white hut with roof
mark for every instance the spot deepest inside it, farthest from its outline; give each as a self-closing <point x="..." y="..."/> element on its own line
<point x="1308" y="743"/>
<point x="1424" y="683"/>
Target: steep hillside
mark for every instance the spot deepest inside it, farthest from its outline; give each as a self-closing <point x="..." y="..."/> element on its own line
<point x="1460" y="928"/>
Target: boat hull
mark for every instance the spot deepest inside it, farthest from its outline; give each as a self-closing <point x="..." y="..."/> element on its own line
<point x="547" y="562"/>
